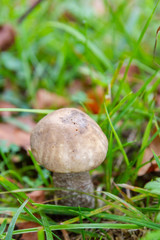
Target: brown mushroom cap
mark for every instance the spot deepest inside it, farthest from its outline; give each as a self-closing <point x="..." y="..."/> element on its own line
<point x="68" y="140"/>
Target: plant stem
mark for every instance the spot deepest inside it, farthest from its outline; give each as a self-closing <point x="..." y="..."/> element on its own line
<point x="80" y="182"/>
<point x="29" y="10"/>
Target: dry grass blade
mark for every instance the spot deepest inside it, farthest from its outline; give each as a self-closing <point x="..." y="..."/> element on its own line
<point x="65" y="234"/>
<point x="155" y="45"/>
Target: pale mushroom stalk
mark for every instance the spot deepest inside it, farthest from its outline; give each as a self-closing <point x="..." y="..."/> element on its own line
<point x="70" y="144"/>
<point x="80" y="182"/>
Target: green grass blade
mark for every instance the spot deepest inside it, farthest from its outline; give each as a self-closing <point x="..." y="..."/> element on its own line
<point x="23" y="190"/>
<point x="3" y="226"/>
<point x="60" y="210"/>
<point x="120" y="104"/>
<point x="145" y="192"/>
<point x="40" y="111"/>
<point x="146" y="25"/>
<point x="7" y="163"/>
<point x="117" y="107"/>
<point x="108" y="164"/>
<point x="31" y="215"/>
<point x="10" y="187"/>
<point x="117" y="138"/>
<point x="155" y="235"/>
<point x="46" y="226"/>
<point x="150" y="140"/>
<point x="4" y="210"/>
<point x="92" y="226"/>
<point x="80" y="37"/>
<point x="39" y="170"/>
<point x="144" y="141"/>
<point x="133" y="98"/>
<point x="156" y="158"/>
<point x="14" y="173"/>
<point x="41" y="234"/>
<point x="82" y="226"/>
<point x="126" y="204"/>
<point x="132" y="212"/>
<point x="135" y="51"/>
<point x="13" y="222"/>
<point x="119" y="24"/>
<point x="98" y="225"/>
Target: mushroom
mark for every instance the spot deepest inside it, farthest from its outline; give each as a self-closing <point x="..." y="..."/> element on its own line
<point x="69" y="143"/>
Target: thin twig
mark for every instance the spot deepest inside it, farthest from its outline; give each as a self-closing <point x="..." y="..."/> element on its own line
<point x="29" y="10"/>
<point x="65" y="234"/>
<point x="155" y="45"/>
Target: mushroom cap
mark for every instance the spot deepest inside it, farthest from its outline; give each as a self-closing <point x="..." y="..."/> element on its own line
<point x="68" y="140"/>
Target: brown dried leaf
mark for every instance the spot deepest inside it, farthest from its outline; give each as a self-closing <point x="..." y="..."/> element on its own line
<point x="37" y="196"/>
<point x="46" y="99"/>
<point x="28" y="120"/>
<point x="14" y="135"/>
<point x="69" y="16"/>
<point x="76" y="86"/>
<point x="95" y="99"/>
<point x="28" y="236"/>
<point x="148" y="155"/>
<point x="4" y="104"/>
<point x="7" y="37"/>
<point x="80" y="85"/>
<point x="132" y="72"/>
<point x="14" y="181"/>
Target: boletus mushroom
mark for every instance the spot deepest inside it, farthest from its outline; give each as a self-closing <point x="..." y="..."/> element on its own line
<point x="69" y="143"/>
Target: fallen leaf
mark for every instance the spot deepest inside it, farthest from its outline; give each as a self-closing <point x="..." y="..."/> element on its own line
<point x="95" y="99"/>
<point x="99" y="7"/>
<point x="4" y="104"/>
<point x="15" y="182"/>
<point x="69" y="16"/>
<point x="13" y="134"/>
<point x="132" y="72"/>
<point x="37" y="196"/>
<point x="76" y="86"/>
<point x="148" y="155"/>
<point x="28" y="236"/>
<point x="28" y="120"/>
<point x="79" y="85"/>
<point x="7" y="37"/>
<point x="46" y="99"/>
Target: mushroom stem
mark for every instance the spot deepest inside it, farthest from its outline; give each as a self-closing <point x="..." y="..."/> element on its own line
<point x="80" y="182"/>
